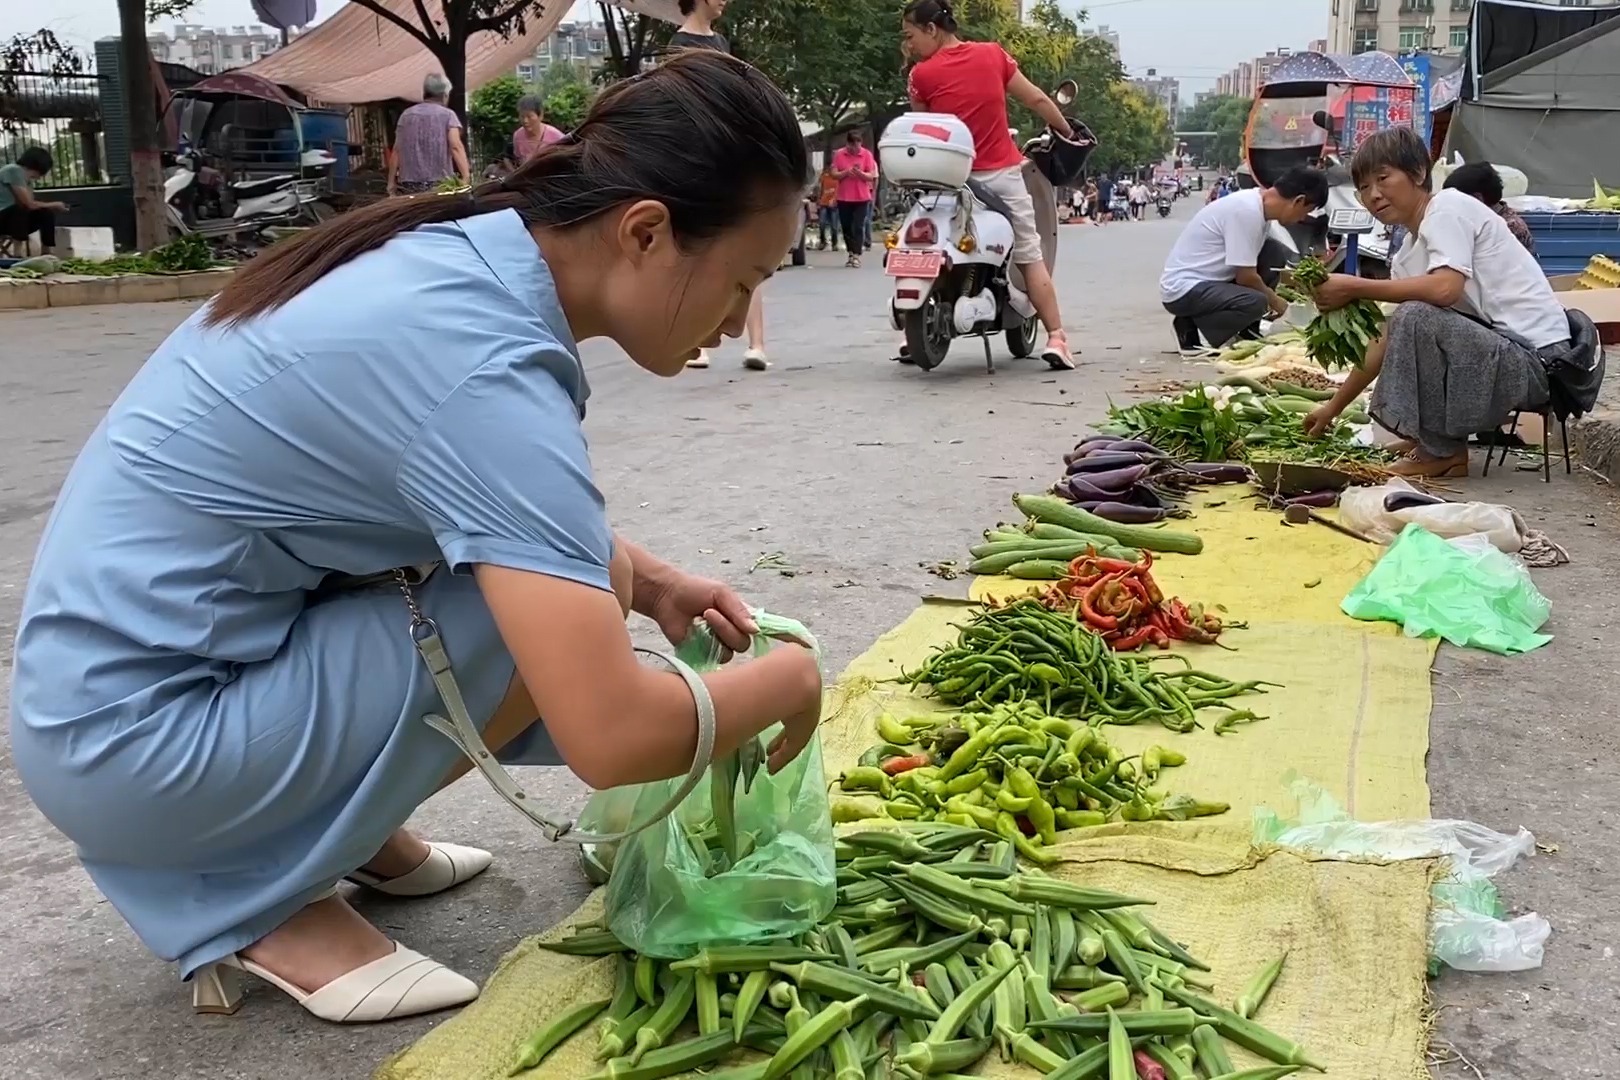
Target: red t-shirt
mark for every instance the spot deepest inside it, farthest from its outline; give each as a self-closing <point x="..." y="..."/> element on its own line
<point x="969" y="81"/>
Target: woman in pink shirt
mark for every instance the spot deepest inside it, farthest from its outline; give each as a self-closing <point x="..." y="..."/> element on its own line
<point x="855" y="170"/>
<point x="533" y="132"/>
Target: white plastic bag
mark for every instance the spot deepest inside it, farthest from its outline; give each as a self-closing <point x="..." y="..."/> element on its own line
<point x="1467" y="930"/>
<point x="1362" y="509"/>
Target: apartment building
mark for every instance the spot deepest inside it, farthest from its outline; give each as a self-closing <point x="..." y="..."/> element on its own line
<point x="582" y="44"/>
<point x="1393" y="26"/>
<point x="211" y="50"/>
<point x="1166" y="90"/>
<point x="1104" y="34"/>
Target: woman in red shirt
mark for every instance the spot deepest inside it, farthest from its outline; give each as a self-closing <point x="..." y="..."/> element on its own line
<point x="971" y="80"/>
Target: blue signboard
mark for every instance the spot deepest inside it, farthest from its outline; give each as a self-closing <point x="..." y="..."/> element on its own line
<point x="1418" y="69"/>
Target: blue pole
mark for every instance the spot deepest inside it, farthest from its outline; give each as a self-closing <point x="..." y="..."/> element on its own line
<point x="1352" y="255"/>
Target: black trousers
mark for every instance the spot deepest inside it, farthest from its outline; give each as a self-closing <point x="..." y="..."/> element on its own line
<point x="852" y="220"/>
<point x="18" y="223"/>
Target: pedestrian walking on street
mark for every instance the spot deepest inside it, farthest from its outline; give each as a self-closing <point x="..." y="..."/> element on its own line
<point x="697" y="31"/>
<point x="364" y="454"/>
<point x="21" y="214"/>
<point x="972" y="80"/>
<point x="856" y="171"/>
<point x="827" y="209"/>
<point x="428" y="148"/>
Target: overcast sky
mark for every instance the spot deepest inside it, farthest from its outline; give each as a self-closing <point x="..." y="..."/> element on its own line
<point x="1193" y="40"/>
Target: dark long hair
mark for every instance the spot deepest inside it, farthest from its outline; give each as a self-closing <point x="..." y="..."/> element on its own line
<point x="705" y="134"/>
<point x="931" y="13"/>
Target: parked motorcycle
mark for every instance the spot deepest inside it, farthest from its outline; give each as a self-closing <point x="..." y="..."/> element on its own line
<point x="951" y="258"/>
<point x="201" y="201"/>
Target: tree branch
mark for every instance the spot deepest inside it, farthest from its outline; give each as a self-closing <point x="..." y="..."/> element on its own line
<point x="424" y="33"/>
<point x="498" y="21"/>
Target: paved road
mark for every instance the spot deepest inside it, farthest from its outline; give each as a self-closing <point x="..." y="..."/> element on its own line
<point x="857" y="470"/>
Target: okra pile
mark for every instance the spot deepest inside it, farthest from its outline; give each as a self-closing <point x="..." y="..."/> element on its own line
<point x="1028" y="652"/>
<point x="1011" y="770"/>
<point x="941" y="951"/>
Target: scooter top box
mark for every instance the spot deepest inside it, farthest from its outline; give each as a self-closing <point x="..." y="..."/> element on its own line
<point x="929" y="150"/>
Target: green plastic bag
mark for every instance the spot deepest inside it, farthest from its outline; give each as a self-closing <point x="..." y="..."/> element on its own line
<point x="672" y="891"/>
<point x="1471" y="594"/>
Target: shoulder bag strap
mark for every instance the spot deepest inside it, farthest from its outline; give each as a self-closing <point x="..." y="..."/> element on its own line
<point x="459" y="728"/>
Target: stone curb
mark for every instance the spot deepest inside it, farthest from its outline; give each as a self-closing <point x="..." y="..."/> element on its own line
<point x="71" y="290"/>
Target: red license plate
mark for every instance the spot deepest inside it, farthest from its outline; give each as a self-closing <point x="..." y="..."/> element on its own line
<point x="914" y="264"/>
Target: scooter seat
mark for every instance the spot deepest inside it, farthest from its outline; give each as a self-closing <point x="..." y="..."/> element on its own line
<point x="253" y="189"/>
<point x="990" y="199"/>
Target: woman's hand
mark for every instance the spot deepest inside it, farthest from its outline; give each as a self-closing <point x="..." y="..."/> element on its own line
<point x="687" y="598"/>
<point x="1320" y="419"/>
<point x="799" y="727"/>
<point x="1337" y="291"/>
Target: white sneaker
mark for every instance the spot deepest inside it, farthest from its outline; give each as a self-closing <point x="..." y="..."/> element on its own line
<point x="754" y="360"/>
<point x="701" y="360"/>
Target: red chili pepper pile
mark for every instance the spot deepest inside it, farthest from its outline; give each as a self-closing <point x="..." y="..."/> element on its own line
<point x="1122" y="603"/>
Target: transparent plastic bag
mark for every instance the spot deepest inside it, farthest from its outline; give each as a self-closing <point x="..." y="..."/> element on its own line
<point x="1467" y="930"/>
<point x="671" y="892"/>
<point x="1362" y="509"/>
<point x="1470" y="594"/>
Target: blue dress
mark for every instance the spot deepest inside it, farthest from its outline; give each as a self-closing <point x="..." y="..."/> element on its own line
<point x="220" y="746"/>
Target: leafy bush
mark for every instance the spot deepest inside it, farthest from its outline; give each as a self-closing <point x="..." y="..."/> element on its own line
<point x="492" y="115"/>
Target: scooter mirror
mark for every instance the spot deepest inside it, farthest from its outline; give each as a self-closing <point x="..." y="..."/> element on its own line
<point x="1066" y="92"/>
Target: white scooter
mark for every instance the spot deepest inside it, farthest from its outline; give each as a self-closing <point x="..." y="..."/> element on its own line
<point x="200" y="202"/>
<point x="951" y="259"/>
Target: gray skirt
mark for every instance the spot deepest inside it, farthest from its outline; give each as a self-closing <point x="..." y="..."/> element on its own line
<point x="1446" y="377"/>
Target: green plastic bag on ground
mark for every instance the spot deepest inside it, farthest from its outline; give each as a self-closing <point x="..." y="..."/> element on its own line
<point x="672" y="888"/>
<point x="1469" y="594"/>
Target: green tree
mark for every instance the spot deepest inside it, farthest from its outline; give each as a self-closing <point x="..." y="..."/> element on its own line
<point x="493" y="116"/>
<point x="566" y="106"/>
<point x="834" y="58"/>
<point x="1227" y="117"/>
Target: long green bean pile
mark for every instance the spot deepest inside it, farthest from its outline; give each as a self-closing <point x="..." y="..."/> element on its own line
<point x="1028" y="652"/>
<point x="941" y="951"/>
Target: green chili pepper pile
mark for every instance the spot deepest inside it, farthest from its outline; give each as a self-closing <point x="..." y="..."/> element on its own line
<point x="941" y="952"/>
<point x="1026" y="652"/>
<point x="1011" y="770"/>
<point x="1338" y="338"/>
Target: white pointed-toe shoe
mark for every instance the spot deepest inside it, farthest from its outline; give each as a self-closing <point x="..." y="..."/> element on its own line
<point x="403" y="983"/>
<point x="446" y="866"/>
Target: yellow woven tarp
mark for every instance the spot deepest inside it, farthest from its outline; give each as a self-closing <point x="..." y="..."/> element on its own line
<point x="1352" y="990"/>
<point x="1353" y="717"/>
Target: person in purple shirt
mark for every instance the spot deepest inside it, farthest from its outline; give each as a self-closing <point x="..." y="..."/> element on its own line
<point x="427" y="143"/>
<point x="533" y="132"/>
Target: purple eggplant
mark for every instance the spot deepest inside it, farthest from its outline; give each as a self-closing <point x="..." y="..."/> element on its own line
<point x="1124" y="513"/>
<point x="1217" y="472"/>
<point x="1314" y="499"/>
<point x="1088" y="445"/>
<point x="1136" y="445"/>
<point x="1114" y="480"/>
<point x="1107" y="460"/>
<point x="1405" y="500"/>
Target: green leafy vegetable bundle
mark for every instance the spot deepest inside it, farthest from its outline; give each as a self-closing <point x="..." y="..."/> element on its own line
<point x="1338" y="338"/>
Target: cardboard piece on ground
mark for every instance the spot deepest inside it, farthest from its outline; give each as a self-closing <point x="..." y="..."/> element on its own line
<point x="1601" y="305"/>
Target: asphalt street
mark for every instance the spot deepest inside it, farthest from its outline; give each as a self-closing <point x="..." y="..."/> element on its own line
<point x="855" y="473"/>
